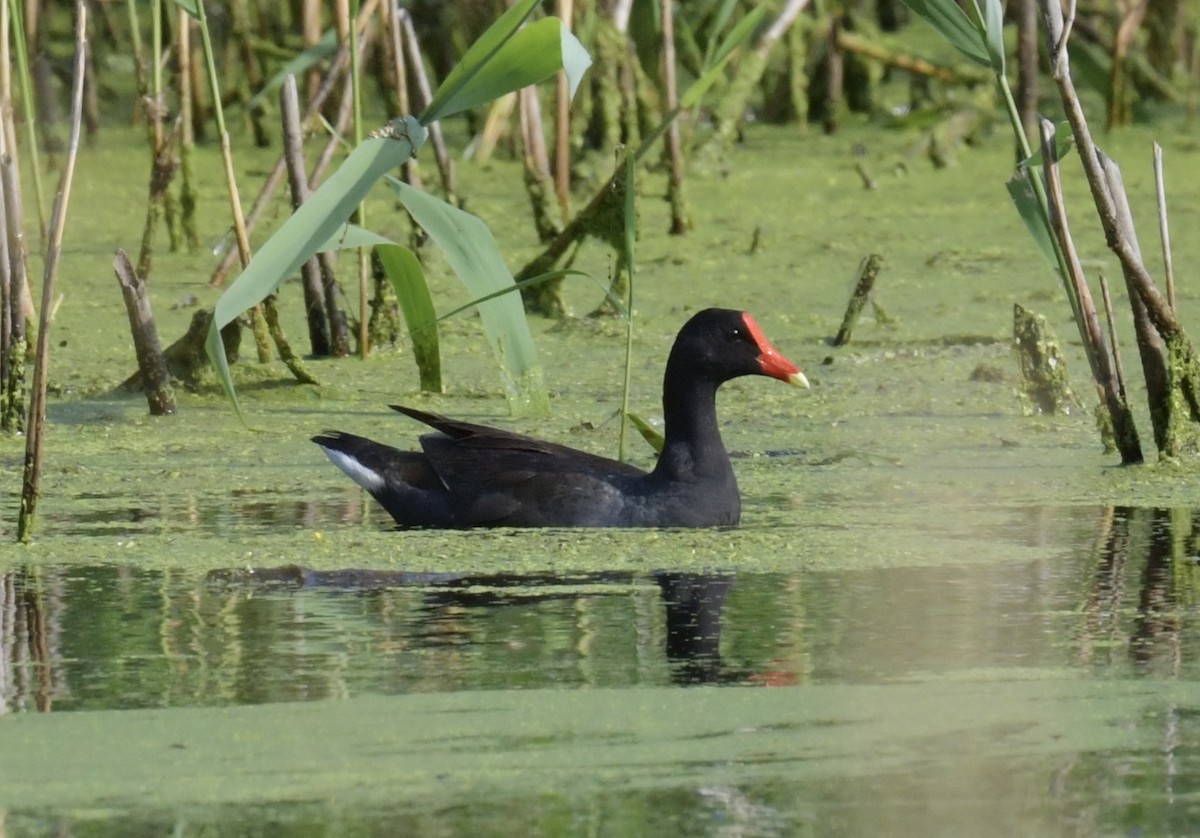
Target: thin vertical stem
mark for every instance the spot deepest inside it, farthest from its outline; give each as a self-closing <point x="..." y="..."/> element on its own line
<point x="562" y="126"/>
<point x="1164" y="227"/>
<point x="630" y="219"/>
<point x="679" y="220"/>
<point x="364" y="266"/>
<point x="28" y="102"/>
<point x="34" y="443"/>
<point x="156" y="88"/>
<point x="235" y="203"/>
<point x="1118" y="367"/>
<point x="187" y="137"/>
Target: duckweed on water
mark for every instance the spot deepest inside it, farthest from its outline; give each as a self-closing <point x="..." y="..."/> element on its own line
<point x="971" y="618"/>
<point x="897" y="407"/>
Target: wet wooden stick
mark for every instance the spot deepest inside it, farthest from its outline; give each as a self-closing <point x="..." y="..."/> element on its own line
<point x="336" y="69"/>
<point x="1125" y="435"/>
<point x="310" y="271"/>
<point x="867" y="273"/>
<point x="1118" y="367"/>
<point x="153" y="365"/>
<point x="1164" y="227"/>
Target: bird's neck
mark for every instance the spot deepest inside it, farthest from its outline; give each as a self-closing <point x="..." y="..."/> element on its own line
<point x="692" y="445"/>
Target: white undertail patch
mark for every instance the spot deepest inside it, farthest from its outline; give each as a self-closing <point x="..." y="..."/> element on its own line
<point x="356" y="471"/>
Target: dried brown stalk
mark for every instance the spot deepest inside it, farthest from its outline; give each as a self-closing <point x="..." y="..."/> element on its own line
<point x="34" y="442"/>
<point x="1164" y="228"/>
<point x="156" y="381"/>
<point x="315" y="304"/>
<point x="1095" y="348"/>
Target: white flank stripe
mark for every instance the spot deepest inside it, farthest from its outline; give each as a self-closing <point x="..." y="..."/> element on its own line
<point x="356" y="471"/>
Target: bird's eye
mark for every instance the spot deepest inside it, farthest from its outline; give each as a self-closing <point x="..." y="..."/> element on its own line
<point x="735" y="334"/>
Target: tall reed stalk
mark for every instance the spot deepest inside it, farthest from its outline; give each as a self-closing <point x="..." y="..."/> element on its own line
<point x="16" y="21"/>
<point x="630" y="218"/>
<point x="35" y="441"/>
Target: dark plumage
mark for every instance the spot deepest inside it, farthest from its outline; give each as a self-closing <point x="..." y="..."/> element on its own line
<point x="468" y="475"/>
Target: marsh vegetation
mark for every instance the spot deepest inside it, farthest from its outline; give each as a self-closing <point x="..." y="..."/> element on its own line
<point x="954" y="604"/>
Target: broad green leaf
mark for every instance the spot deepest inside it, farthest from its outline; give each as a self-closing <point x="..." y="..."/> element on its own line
<point x="314" y="223"/>
<point x="508" y="57"/>
<point x="948" y="18"/>
<point x="404" y="272"/>
<point x="476" y="260"/>
<point x="993" y="20"/>
<point x="1020" y="189"/>
<point x="480" y="53"/>
<point x="315" y="54"/>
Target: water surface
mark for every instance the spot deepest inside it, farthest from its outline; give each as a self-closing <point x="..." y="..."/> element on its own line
<point x="939" y="617"/>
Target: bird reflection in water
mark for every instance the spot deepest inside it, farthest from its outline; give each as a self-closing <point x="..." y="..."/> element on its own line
<point x="694" y="602"/>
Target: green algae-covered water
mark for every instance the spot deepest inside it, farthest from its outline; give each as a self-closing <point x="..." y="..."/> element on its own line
<point x="938" y="618"/>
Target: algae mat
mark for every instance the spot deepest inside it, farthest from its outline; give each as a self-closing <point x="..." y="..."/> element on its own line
<point x="920" y="744"/>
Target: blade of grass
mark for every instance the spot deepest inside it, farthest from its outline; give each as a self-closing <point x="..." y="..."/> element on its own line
<point x="317" y="221"/>
<point x="32" y="473"/>
<point x="952" y="23"/>
<point x="404" y="272"/>
<point x="514" y="58"/>
<point x="28" y="103"/>
<point x="475" y="258"/>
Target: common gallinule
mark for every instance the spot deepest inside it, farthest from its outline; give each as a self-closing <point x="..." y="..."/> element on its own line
<point x="470" y="475"/>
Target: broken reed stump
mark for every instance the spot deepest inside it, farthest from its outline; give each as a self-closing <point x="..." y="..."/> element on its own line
<point x="186" y="358"/>
<point x="868" y="271"/>
<point x="151" y="363"/>
<point x="1044" y="387"/>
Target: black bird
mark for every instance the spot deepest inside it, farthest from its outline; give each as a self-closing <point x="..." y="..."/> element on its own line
<point x="468" y="475"/>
